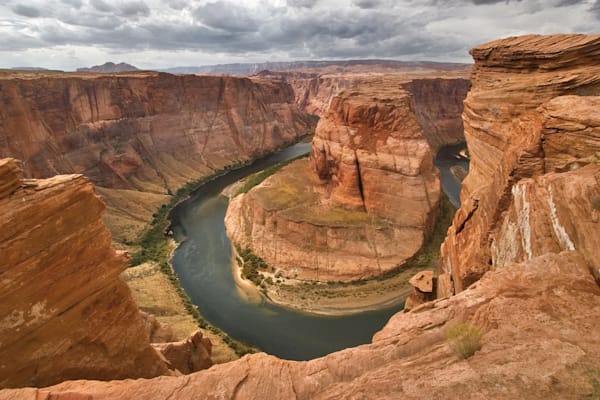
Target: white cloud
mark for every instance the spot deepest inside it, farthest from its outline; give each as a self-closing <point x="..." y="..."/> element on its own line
<point x="154" y="33"/>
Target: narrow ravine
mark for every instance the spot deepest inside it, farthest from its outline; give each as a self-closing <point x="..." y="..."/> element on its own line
<point x="203" y="265"/>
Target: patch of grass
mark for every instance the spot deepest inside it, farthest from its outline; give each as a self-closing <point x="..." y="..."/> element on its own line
<point x="259" y="177"/>
<point x="596" y="203"/>
<point x="464" y="340"/>
<point x="593" y="378"/>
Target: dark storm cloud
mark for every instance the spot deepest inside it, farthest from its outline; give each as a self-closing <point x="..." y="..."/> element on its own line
<point x="73" y="3"/>
<point x="134" y="9"/>
<point x="368" y="4"/>
<point x="295" y="28"/>
<point x="101" y="5"/>
<point x="301" y="3"/>
<point x="226" y="16"/>
<point x="26" y="11"/>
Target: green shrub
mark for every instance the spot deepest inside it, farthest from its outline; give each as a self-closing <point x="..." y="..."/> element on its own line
<point x="596" y="203"/>
<point x="464" y="340"/>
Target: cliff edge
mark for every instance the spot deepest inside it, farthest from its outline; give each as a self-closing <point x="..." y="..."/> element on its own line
<point x="533" y="132"/>
<point x="64" y="313"/>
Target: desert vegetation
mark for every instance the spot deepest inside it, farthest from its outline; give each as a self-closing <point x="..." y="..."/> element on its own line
<point x="464" y="340"/>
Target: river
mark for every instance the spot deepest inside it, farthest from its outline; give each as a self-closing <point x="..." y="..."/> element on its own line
<point x="203" y="264"/>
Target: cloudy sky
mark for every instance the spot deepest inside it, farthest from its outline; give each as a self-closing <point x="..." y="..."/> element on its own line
<point x="67" y="34"/>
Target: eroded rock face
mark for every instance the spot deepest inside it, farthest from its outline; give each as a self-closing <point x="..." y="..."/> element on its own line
<point x="367" y="200"/>
<point x="539" y="321"/>
<point x="526" y="193"/>
<point x="64" y="313"/>
<point x="143" y="135"/>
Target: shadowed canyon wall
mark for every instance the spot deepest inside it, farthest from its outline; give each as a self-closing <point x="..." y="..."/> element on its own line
<point x="529" y="190"/>
<point x="368" y="197"/>
<point x="141" y="136"/>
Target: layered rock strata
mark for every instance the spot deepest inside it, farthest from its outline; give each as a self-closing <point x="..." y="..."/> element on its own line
<point x="141" y="136"/>
<point x="529" y="190"/>
<point x="365" y="201"/>
<point x="64" y="313"/>
<point x="539" y="321"/>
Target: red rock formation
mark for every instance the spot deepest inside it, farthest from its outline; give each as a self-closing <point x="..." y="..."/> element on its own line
<point x="142" y="132"/>
<point x="519" y="199"/>
<point x="64" y="313"/>
<point x="375" y="202"/>
<point x="187" y="356"/>
<point x="539" y="321"/>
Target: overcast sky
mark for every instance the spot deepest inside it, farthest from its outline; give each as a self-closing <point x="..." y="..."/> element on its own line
<point x="67" y="34"/>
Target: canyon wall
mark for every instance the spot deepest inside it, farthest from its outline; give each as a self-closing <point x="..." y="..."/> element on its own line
<point x="539" y="321"/>
<point x="141" y="136"/>
<point x="64" y="313"/>
<point x="368" y="197"/>
<point x="538" y="314"/>
<point x="534" y="157"/>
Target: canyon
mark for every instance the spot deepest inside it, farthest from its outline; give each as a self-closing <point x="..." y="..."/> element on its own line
<point x="65" y="313"/>
<point x="368" y="198"/>
<point x="140" y="136"/>
<point x="519" y="261"/>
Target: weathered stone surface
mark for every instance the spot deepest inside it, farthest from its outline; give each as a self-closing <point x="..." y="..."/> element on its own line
<point x="141" y="136"/>
<point x="187" y="356"/>
<point x="157" y="332"/>
<point x="517" y="127"/>
<point x="423" y="281"/>
<point x="10" y="175"/>
<point x="539" y="321"/>
<point x="64" y="314"/>
<point x="375" y="195"/>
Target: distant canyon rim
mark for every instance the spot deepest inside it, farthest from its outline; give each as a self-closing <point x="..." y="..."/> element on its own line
<point x="519" y="263"/>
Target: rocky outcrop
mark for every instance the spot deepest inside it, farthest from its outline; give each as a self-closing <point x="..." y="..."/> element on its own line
<point x="190" y="355"/>
<point x="64" y="314"/>
<point x="539" y="321"/>
<point x="529" y="191"/>
<point x="363" y="205"/>
<point x="141" y="136"/>
<point x="424" y="285"/>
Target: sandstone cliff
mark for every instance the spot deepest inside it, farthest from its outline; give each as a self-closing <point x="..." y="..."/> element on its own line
<point x="527" y="192"/>
<point x="141" y="136"/>
<point x="539" y="320"/>
<point x="538" y="316"/>
<point x="368" y="198"/>
<point x="64" y="314"/>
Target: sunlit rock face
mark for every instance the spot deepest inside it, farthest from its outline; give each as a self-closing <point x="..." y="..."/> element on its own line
<point x="140" y="136"/>
<point x="532" y="176"/>
<point x="64" y="313"/>
<point x="367" y="198"/>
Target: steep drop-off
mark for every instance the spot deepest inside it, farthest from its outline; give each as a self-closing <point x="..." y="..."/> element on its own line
<point x="141" y="136"/>
<point x="64" y="313"/>
<point x="539" y="317"/>
<point x="368" y="197"/>
<point x="552" y="353"/>
<point x="527" y="192"/>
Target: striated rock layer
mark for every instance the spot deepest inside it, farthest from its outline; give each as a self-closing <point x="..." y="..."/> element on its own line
<point x="539" y="321"/>
<point x="527" y="192"/>
<point x="64" y="314"/>
<point x="368" y="197"/>
<point x="141" y="136"/>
